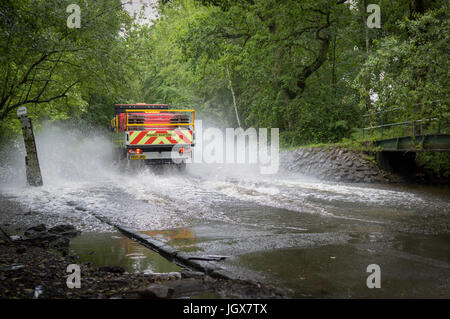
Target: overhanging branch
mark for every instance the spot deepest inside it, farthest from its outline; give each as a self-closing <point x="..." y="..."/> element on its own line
<point x="36" y="100"/>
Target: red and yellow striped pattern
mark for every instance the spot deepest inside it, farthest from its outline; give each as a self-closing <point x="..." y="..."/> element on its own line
<point x="157" y="137"/>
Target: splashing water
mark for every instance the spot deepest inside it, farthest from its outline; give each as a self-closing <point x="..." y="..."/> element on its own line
<point x="235" y="211"/>
<point x="80" y="176"/>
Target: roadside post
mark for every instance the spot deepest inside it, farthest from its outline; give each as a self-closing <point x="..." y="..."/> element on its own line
<point x="33" y="171"/>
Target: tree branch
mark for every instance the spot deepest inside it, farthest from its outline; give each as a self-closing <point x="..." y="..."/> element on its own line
<point x="37" y="101"/>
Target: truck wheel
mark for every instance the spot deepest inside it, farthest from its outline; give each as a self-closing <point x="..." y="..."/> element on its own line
<point x="121" y="157"/>
<point x="182" y="166"/>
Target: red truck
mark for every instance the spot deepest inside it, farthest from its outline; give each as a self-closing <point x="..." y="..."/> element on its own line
<point x="153" y="133"/>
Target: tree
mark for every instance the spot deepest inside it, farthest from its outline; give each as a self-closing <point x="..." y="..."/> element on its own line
<point x="409" y="69"/>
<point x="43" y="61"/>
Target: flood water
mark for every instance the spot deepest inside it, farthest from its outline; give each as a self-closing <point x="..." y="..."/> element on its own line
<point x="115" y="249"/>
<point x="312" y="238"/>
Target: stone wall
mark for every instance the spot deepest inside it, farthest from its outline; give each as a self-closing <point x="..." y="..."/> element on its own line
<point x="334" y="164"/>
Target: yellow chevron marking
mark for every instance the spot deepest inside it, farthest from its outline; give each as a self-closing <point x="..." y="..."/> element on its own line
<point x="177" y="138"/>
<point x="161" y="137"/>
<point x="187" y="134"/>
<point x="145" y="139"/>
<point x="165" y="140"/>
<point x="133" y="135"/>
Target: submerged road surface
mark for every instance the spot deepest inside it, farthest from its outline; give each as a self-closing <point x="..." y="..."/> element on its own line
<point x="312" y="238"/>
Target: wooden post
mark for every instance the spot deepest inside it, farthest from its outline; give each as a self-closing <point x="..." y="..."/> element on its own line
<point x="33" y="171"/>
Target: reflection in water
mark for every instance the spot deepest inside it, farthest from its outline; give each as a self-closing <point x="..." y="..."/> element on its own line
<point x="173" y="237"/>
<point x="339" y="271"/>
<point x="114" y="249"/>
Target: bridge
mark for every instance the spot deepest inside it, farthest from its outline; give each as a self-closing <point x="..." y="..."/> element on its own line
<point x="429" y="134"/>
<point x="400" y="140"/>
<point x="416" y="143"/>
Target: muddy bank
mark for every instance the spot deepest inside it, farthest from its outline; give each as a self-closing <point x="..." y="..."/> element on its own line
<point x="34" y="265"/>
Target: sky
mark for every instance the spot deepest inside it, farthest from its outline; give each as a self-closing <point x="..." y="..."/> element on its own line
<point x="147" y="7"/>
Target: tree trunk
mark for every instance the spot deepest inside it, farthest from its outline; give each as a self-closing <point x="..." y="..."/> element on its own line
<point x="234" y="97"/>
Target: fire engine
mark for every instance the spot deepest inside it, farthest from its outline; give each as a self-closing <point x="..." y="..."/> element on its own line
<point x="153" y="133"/>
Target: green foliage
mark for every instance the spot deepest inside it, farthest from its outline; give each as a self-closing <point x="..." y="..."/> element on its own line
<point x="435" y="164"/>
<point x="54" y="70"/>
<point x="409" y="69"/>
<point x="358" y="146"/>
<point x="287" y="62"/>
<point x="301" y="66"/>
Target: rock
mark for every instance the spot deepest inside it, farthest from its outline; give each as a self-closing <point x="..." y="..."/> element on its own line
<point x="367" y="180"/>
<point x="41" y="240"/>
<point x="71" y="234"/>
<point x="192" y="274"/>
<point x="28" y="291"/>
<point x="60" y="243"/>
<point x="111" y="269"/>
<point x="166" y="276"/>
<point x="16" y="266"/>
<point x="38" y="228"/>
<point x="35" y="235"/>
<point x="56" y="237"/>
<point x="174" y="275"/>
<point x="359" y="175"/>
<point x="156" y="291"/>
<point x="35" y="229"/>
<point x="21" y="250"/>
<point x="59" y="229"/>
<point x="379" y="179"/>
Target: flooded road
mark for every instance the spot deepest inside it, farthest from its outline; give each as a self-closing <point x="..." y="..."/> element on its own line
<point x="312" y="238"/>
<point x="100" y="249"/>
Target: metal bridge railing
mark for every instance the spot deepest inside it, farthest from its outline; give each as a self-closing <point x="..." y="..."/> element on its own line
<point x="382" y="126"/>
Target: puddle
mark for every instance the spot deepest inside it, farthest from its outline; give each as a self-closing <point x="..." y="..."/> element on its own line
<point x="431" y="246"/>
<point x="114" y="249"/>
<point x="339" y="271"/>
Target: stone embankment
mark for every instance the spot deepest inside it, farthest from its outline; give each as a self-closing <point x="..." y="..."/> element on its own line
<point x="334" y="164"/>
